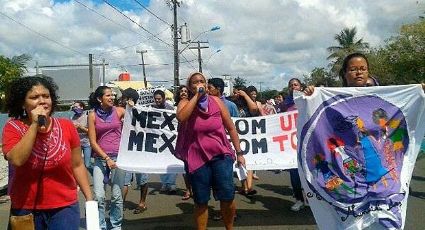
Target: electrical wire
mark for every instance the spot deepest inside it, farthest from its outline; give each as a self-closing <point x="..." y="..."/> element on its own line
<point x="116" y="9"/>
<point x="42" y="35"/>
<point x="109" y="19"/>
<point x="144" y="7"/>
<point x="129" y="46"/>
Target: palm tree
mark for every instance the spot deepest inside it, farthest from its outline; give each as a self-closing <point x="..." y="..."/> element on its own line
<point x="346" y="45"/>
<point x="11" y="68"/>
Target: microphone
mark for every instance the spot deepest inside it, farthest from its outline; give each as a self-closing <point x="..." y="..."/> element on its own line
<point x="41" y="120"/>
<point x="201" y="90"/>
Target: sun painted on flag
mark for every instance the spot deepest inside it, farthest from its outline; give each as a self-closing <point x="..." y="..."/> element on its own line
<point x="352" y="153"/>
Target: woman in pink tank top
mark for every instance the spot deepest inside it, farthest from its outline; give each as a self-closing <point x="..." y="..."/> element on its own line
<point x="105" y="124"/>
<point x="204" y="147"/>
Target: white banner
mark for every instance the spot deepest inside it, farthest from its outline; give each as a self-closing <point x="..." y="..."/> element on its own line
<point x="357" y="151"/>
<point x="146" y="95"/>
<point x="149" y="136"/>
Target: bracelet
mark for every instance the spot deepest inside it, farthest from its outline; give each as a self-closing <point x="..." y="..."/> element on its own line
<point x="239" y="153"/>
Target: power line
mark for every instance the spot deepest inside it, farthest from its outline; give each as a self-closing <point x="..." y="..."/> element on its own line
<point x="153" y="64"/>
<point x="116" y="9"/>
<point x="42" y="35"/>
<point x="144" y="7"/>
<point x="109" y="19"/>
<point x="126" y="47"/>
<point x="187" y="61"/>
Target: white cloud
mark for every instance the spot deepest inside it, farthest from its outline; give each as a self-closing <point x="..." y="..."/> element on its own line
<point x="264" y="41"/>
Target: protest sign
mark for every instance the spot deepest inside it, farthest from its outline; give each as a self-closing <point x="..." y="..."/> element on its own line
<point x="146" y="95"/>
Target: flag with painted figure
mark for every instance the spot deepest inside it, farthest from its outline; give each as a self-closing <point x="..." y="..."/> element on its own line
<point x="357" y="150"/>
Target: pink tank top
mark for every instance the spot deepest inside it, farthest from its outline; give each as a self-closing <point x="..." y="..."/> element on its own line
<point x="108" y="134"/>
<point x="204" y="137"/>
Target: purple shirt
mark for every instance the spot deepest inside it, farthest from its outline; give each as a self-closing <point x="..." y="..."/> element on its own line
<point x="204" y="137"/>
<point x="108" y="134"/>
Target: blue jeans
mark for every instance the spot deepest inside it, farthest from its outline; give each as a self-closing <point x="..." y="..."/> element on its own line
<point x="216" y="173"/>
<point x="169" y="179"/>
<point x="87" y="157"/>
<point x="296" y="184"/>
<point x="116" y="181"/>
<point x="64" y="218"/>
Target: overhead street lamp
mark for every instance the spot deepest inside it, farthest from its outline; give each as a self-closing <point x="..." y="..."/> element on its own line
<point x="197" y="36"/>
<point x="208" y="59"/>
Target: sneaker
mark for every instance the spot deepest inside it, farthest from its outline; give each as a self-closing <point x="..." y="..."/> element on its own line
<point x="163" y="188"/>
<point x="297" y="206"/>
<point x="172" y="190"/>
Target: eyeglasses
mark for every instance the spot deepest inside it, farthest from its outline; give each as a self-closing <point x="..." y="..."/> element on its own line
<point x="357" y="69"/>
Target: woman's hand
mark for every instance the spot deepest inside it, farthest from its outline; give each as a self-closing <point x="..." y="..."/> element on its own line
<point x="242" y="93"/>
<point x="130" y="103"/>
<point x="240" y="160"/>
<point x="200" y="90"/>
<point x="111" y="163"/>
<point x="36" y="113"/>
<point x="309" y="90"/>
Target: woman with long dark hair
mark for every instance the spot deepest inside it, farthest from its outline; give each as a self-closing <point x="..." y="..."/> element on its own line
<point x="105" y="125"/>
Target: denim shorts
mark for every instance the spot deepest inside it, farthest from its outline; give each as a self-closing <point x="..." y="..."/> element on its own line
<point x="64" y="218"/>
<point x="141" y="178"/>
<point x="216" y="174"/>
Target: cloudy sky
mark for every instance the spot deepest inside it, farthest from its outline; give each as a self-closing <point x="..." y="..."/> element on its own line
<point x="265" y="41"/>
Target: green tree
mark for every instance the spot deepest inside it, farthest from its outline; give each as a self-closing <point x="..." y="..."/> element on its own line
<point x="11" y="68"/>
<point x="239" y="82"/>
<point x="347" y="44"/>
<point x="269" y="93"/>
<point x="321" y="77"/>
<point x="402" y="59"/>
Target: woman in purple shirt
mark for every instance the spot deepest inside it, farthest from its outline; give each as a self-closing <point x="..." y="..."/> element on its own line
<point x="105" y="125"/>
<point x="207" y="151"/>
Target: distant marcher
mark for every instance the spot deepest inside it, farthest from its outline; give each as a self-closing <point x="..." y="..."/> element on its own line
<point x="168" y="180"/>
<point x="183" y="93"/>
<point x="46" y="155"/>
<point x="130" y="97"/>
<point x="79" y="119"/>
<point x="294" y="84"/>
<point x="216" y="88"/>
<point x="278" y="103"/>
<point x="268" y="107"/>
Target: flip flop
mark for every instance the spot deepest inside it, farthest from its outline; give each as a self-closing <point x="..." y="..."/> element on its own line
<point x="139" y="210"/>
<point x="186" y="196"/>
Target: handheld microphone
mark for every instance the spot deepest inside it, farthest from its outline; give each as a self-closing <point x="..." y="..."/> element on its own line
<point x="201" y="90"/>
<point x="41" y="120"/>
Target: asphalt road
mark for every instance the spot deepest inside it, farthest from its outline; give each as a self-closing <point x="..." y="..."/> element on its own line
<point x="270" y="208"/>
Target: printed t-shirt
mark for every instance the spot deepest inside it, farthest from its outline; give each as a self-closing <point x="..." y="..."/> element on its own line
<point x="58" y="187"/>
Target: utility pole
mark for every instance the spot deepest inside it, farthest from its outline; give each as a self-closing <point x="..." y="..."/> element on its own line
<point x="176" y="46"/>
<point x="261" y="82"/>
<point x="37" y="69"/>
<point x="103" y="71"/>
<point x="143" y="66"/>
<point x="199" y="47"/>
<point x="91" y="71"/>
